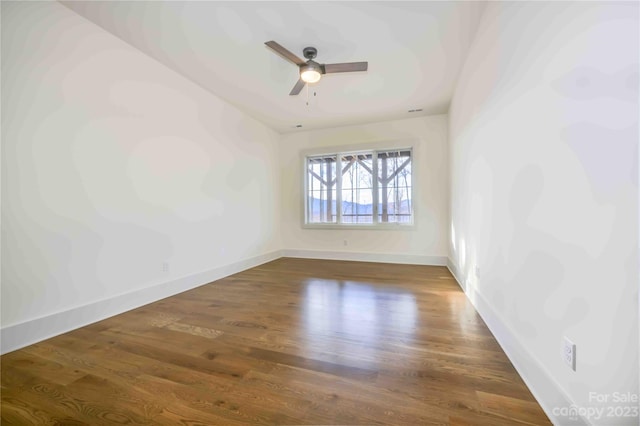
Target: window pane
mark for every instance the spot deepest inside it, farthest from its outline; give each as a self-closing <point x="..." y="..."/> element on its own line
<point x="394" y="187"/>
<point x="357" y="188"/>
<point x="321" y="189"/>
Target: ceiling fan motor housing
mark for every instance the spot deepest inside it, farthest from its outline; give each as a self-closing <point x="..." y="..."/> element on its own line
<point x="310" y="52"/>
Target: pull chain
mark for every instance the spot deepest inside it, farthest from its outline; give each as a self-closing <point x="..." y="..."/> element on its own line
<point x="314" y="94"/>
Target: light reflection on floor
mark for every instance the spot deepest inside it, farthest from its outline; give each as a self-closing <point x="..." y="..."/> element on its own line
<point x="362" y="316"/>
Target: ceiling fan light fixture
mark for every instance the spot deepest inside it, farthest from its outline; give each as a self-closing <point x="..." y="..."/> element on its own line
<point x="310" y="74"/>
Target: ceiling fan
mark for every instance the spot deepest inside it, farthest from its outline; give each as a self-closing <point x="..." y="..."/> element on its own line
<point x="311" y="71"/>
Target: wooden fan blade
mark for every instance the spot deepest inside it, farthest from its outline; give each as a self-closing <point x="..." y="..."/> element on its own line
<point x="297" y="88"/>
<point x="285" y="53"/>
<point x="345" y="67"/>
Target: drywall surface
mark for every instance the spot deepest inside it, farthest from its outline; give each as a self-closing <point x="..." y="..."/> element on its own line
<point x="113" y="164"/>
<point x="424" y="243"/>
<point x="544" y="195"/>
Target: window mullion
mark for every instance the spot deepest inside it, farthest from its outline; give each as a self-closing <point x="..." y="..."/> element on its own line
<point x="338" y="188"/>
<point x="374" y="178"/>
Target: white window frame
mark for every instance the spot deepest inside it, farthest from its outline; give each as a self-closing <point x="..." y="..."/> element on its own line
<point x="345" y="150"/>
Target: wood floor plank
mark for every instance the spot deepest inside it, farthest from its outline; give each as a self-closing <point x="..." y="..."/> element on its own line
<point x="340" y="370"/>
<point x="504" y="406"/>
<point x="293" y="341"/>
<point x="19" y="409"/>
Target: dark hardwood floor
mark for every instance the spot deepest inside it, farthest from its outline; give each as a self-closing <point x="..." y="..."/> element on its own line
<point x="290" y="342"/>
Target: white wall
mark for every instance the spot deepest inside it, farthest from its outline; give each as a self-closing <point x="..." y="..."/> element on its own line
<point x="113" y="164"/>
<point x="544" y="194"/>
<point x="426" y="243"/>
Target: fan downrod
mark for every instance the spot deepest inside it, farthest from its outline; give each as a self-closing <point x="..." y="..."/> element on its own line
<point x="310" y="52"/>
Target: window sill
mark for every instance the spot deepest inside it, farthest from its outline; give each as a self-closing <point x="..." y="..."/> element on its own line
<point x="362" y="226"/>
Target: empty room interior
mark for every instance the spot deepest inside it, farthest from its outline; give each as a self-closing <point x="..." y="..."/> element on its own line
<point x="323" y="213"/>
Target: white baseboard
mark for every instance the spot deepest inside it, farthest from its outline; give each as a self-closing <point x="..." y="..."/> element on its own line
<point x="542" y="385"/>
<point x="32" y="331"/>
<point x="411" y="259"/>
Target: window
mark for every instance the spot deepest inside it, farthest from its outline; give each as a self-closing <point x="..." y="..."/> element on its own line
<point x="359" y="188"/>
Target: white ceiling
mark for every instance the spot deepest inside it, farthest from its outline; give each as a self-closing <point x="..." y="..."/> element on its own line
<point x="415" y="51"/>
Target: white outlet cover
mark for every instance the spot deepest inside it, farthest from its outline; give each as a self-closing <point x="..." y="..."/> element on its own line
<point x="569" y="353"/>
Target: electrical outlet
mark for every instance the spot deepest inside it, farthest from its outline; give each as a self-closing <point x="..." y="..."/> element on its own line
<point x="344" y="242"/>
<point x="165" y="267"/>
<point x="477" y="271"/>
<point x="569" y="353"/>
